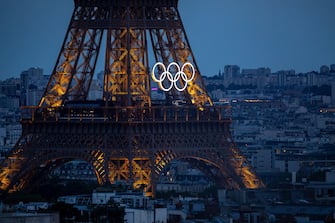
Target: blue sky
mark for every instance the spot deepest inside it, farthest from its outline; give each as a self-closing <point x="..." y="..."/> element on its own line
<point x="280" y="34"/>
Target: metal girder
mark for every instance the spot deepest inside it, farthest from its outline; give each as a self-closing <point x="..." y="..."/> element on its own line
<point x="24" y="167"/>
<point x="126" y="80"/>
<point x="171" y="45"/>
<point x="232" y="171"/>
<point x="119" y="169"/>
<point x="126" y="74"/>
<point x="73" y="72"/>
<point x="108" y="3"/>
<point x="128" y="139"/>
<point x="133" y="153"/>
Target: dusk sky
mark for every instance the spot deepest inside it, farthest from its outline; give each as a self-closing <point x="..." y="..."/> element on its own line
<point x="279" y="34"/>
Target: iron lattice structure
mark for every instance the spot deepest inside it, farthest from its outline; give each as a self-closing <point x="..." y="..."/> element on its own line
<point x="125" y="136"/>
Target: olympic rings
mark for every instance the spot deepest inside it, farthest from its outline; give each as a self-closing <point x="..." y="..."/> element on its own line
<point x="173" y="79"/>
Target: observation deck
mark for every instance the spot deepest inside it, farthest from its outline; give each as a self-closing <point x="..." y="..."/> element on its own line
<point x="154" y="114"/>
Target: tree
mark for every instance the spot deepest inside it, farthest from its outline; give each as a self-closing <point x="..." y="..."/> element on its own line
<point x="66" y="211"/>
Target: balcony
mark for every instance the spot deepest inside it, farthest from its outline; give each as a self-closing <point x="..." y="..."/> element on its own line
<point x="128" y="114"/>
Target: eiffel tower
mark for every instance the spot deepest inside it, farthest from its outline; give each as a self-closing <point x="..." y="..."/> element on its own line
<point x="126" y="136"/>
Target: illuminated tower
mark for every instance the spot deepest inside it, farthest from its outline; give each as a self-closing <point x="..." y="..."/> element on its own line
<point x="125" y="136"/>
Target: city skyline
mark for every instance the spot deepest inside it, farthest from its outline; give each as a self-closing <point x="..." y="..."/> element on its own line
<point x="278" y="34"/>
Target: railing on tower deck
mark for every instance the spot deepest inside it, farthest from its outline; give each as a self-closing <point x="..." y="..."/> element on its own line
<point x="126" y="114"/>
